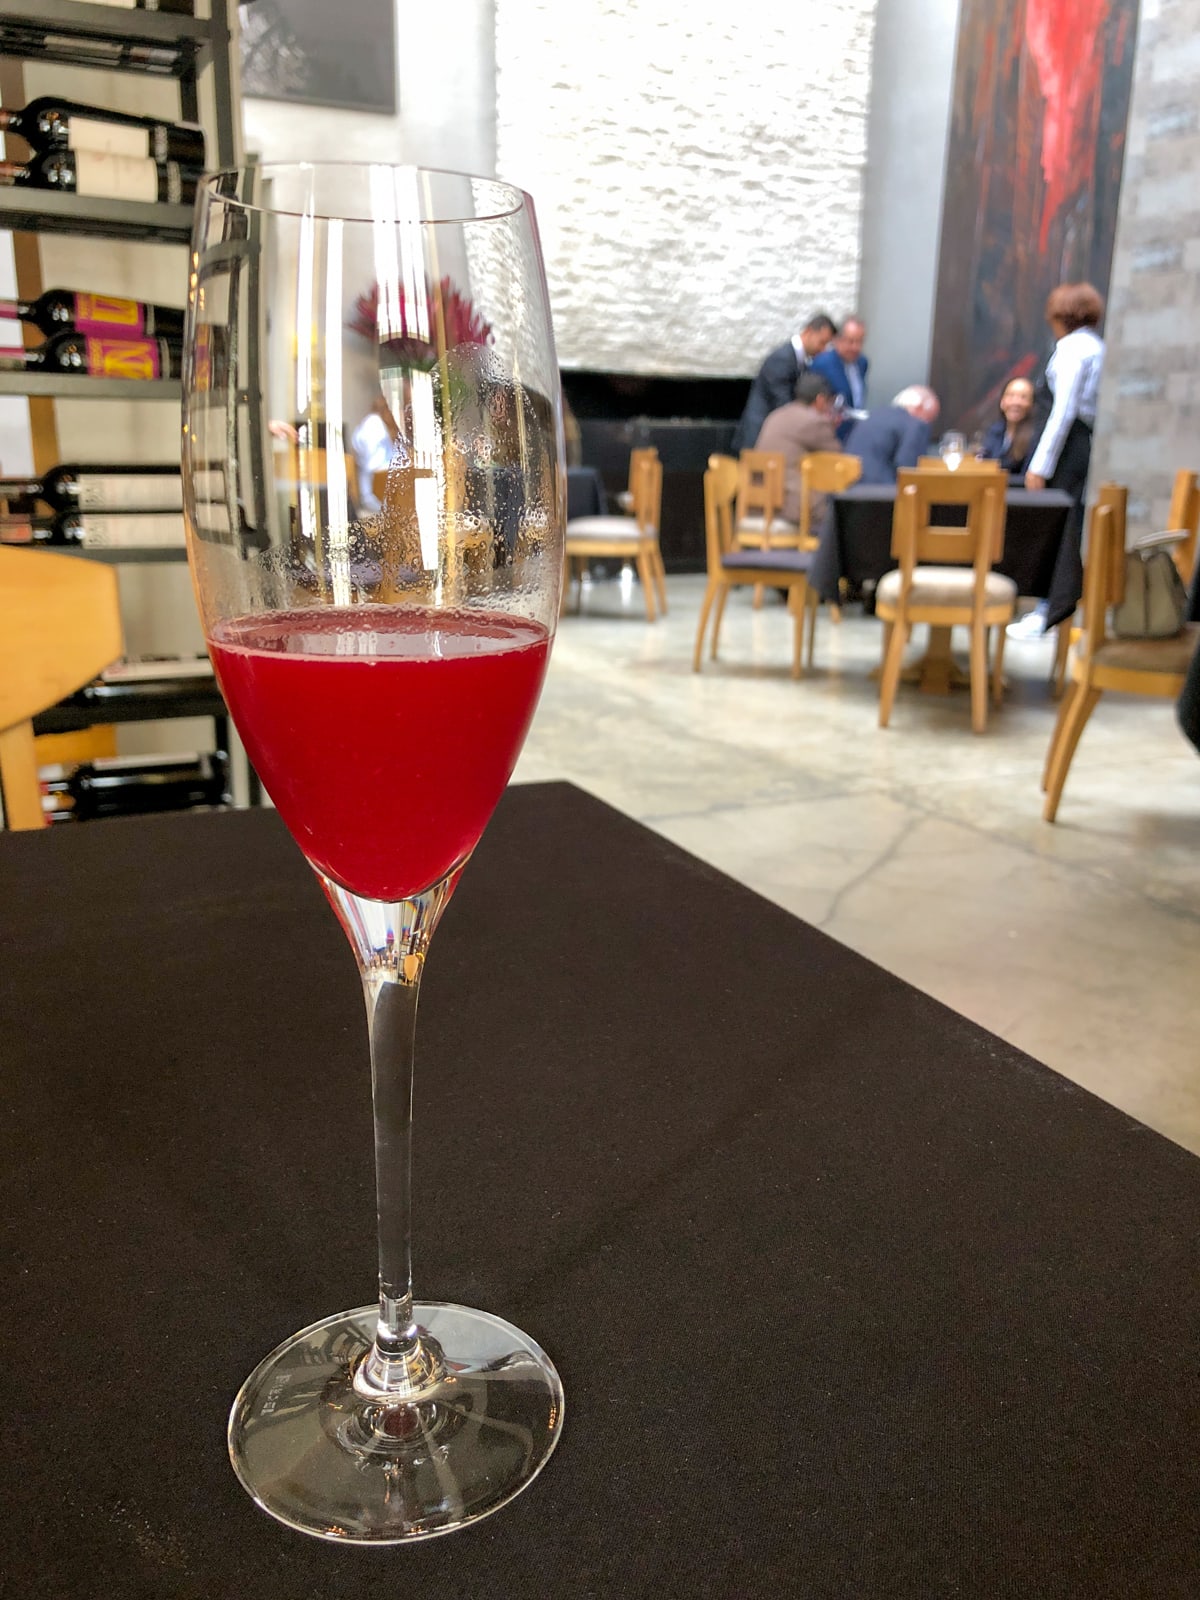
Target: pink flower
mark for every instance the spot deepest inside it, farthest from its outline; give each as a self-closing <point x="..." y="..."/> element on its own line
<point x="410" y="333"/>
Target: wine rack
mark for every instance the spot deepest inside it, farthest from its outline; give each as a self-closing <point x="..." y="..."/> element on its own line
<point x="157" y="43"/>
<point x="160" y="45"/>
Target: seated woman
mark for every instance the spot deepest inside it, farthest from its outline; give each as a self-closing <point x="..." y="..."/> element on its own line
<point x="1012" y="437"/>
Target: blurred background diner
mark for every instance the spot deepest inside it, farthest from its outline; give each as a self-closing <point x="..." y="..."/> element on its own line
<point x="806" y="263"/>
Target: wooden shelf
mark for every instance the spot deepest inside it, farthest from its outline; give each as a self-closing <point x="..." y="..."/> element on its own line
<point x="79" y="386"/>
<point x="77" y="34"/>
<point x="44" y="211"/>
<point x="147" y="555"/>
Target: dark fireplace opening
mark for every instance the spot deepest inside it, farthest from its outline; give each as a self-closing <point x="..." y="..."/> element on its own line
<point x="686" y="420"/>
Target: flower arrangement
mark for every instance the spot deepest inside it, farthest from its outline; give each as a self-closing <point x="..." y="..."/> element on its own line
<point x="409" y="337"/>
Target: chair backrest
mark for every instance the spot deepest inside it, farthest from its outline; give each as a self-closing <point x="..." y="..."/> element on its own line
<point x="915" y="538"/>
<point x="1184" y="516"/>
<point x="720" y="490"/>
<point x="60" y="624"/>
<point x="1104" y="565"/>
<point x="823" y="472"/>
<point x="967" y="464"/>
<point x="760" y="486"/>
<point x="646" y="488"/>
<point x="636" y="457"/>
<point x="310" y="466"/>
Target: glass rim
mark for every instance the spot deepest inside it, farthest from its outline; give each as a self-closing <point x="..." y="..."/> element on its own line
<point x="522" y="201"/>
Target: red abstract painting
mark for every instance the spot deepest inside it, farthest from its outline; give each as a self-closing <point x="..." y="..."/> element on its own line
<point x="1033" y="178"/>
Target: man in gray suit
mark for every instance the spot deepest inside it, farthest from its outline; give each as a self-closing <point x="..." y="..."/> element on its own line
<point x="891" y="437"/>
<point x="775" y="384"/>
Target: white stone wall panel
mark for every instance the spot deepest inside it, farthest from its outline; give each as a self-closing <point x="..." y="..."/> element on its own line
<point x="697" y="170"/>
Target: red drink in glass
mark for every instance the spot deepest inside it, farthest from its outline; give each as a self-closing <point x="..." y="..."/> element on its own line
<point x="384" y="734"/>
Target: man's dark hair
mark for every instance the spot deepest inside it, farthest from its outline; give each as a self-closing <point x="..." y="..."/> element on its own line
<point x="811" y="386"/>
<point x="820" y="324"/>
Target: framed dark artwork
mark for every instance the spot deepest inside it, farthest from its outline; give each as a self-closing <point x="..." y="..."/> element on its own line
<point x="1033" y="177"/>
<point x="321" y="52"/>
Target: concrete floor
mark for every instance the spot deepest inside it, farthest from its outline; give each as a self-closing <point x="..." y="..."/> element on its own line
<point x="921" y="846"/>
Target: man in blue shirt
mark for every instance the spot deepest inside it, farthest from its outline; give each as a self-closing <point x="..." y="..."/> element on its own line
<point x="845" y="367"/>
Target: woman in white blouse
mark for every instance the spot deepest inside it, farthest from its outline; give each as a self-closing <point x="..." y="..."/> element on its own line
<point x="1066" y="400"/>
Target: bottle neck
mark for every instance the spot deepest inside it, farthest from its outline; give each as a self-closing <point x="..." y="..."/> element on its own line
<point x="13" y="171"/>
<point x="13" y="358"/>
<point x="15" y="310"/>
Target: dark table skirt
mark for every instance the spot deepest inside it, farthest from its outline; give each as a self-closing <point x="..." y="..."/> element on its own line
<point x="1041" y="554"/>
<point x="851" y="1300"/>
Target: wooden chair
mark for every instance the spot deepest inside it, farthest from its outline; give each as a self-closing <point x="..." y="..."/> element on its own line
<point x="730" y="565"/>
<point x="636" y="456"/>
<point x="632" y="538"/>
<point x="758" y="520"/>
<point x="1153" y="667"/>
<point x="60" y="625"/>
<point x="1183" y="516"/>
<point x="821" y="472"/>
<point x="972" y="595"/>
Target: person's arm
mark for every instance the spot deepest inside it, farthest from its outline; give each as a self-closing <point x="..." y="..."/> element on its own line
<point x="1069" y="371"/>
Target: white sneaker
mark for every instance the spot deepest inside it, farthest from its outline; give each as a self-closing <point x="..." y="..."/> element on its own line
<point x="1031" y="626"/>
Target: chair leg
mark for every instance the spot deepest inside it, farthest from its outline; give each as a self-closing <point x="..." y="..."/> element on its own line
<point x="979" y="677"/>
<point x="1062" y="649"/>
<point x="758" y="596"/>
<point x="1060" y="722"/>
<point x="835" y="615"/>
<point x="812" y="603"/>
<point x="660" y="578"/>
<point x="718" y="615"/>
<point x="705" y="607"/>
<point x="998" y="667"/>
<point x="897" y="637"/>
<point x="1083" y="703"/>
<point x="797" y="603"/>
<point x="646" y="579"/>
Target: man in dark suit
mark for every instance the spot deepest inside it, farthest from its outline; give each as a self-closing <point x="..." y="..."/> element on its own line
<point x="891" y="437"/>
<point x="845" y="366"/>
<point x="776" y="382"/>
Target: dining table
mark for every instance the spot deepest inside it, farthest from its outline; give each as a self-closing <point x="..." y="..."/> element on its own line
<point x="851" y="1299"/>
<point x="1041" y="546"/>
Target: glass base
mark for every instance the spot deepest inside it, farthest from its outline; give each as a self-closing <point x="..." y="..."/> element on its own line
<point x="318" y="1457"/>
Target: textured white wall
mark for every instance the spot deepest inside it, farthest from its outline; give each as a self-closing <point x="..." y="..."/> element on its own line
<point x="697" y="170"/>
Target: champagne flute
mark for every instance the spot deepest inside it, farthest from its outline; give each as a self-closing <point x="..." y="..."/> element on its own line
<point x="381" y="646"/>
<point x="952" y="449"/>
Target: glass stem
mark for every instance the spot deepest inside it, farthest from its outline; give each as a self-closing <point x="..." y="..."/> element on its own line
<point x="391" y="1023"/>
<point x="390" y="940"/>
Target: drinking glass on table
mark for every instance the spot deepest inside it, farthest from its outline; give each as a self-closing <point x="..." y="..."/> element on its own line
<point x="382" y="671"/>
<point x="952" y="449"/>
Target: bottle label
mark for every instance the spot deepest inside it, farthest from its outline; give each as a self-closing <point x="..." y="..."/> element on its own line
<point x="124" y="358"/>
<point x="103" y="313"/>
<point x="100" y="491"/>
<point x="131" y="533"/>
<point x="86" y="134"/>
<point x="103" y="176"/>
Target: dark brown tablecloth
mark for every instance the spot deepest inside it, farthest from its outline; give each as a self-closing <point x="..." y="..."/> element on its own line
<point x="1040" y="559"/>
<point x="850" y="1299"/>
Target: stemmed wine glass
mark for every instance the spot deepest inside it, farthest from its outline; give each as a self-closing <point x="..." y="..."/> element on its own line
<point x="374" y="491"/>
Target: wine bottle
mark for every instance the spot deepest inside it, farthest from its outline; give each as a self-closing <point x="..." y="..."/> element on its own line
<point x="62" y="309"/>
<point x="101" y="487"/>
<point x="119" y="786"/>
<point x="98" y="357"/>
<point x="103" y="530"/>
<point x="95" y="176"/>
<point x="49" y="123"/>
